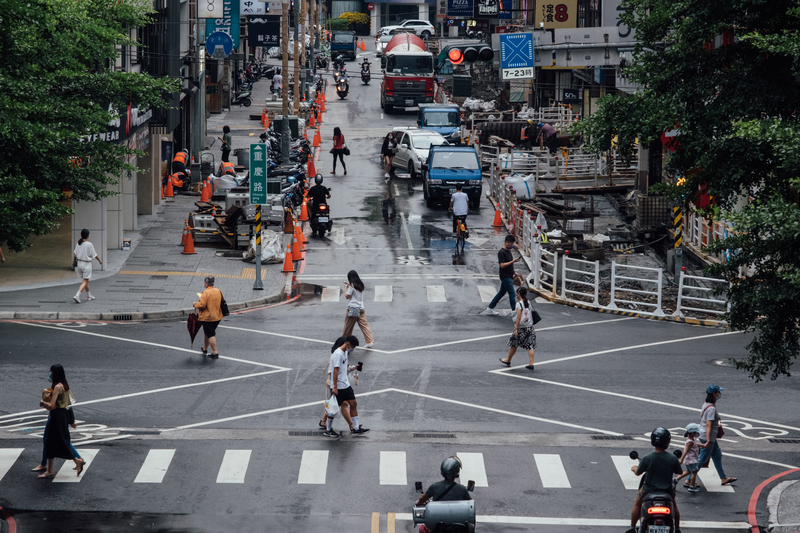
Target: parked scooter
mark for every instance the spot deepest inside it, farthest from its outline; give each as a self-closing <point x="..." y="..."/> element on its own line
<point x="242" y="99"/>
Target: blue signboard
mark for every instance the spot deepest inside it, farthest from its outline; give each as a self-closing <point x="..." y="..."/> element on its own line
<point x="219" y="38"/>
<point x="505" y="9"/>
<point x="460" y="8"/>
<point x="229" y="23"/>
<point x="516" y="56"/>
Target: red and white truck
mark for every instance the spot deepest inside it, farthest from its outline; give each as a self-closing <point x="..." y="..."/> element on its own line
<point x="408" y="75"/>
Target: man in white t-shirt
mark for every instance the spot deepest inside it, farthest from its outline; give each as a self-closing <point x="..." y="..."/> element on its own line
<point x="277" y="82"/>
<point x="459" y="205"/>
<point x="340" y="387"/>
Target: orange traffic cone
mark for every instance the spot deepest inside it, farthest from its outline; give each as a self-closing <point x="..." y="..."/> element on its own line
<point x="263" y="116"/>
<point x="298" y="231"/>
<point x="498" y="220"/>
<point x="183" y="237"/>
<point x="363" y="46"/>
<point x="317" y="139"/>
<point x="304" y="211"/>
<point x="312" y="169"/>
<point x="162" y="191"/>
<point x="322" y="107"/>
<point x="266" y="121"/>
<point x="311" y="122"/>
<point x="296" y="254"/>
<point x="169" y="188"/>
<point x="206" y="193"/>
<point x="288" y="266"/>
<point x="188" y="248"/>
<point x="305" y="134"/>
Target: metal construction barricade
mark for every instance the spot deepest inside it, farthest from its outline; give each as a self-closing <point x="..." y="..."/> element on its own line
<point x="641" y="280"/>
<point x="545" y="272"/>
<point x="691" y="290"/>
<point x="574" y="277"/>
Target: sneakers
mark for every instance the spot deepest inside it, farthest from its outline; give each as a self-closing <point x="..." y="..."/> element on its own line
<point x="360" y="430"/>
<point x="370" y="345"/>
<point x="214" y="355"/>
<point x="77" y="299"/>
<point x="90" y="297"/>
<point x="332" y="434"/>
<point x="492" y="311"/>
<point x="694" y="488"/>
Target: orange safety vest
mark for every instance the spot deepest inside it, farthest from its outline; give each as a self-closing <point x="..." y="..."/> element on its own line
<point x="523" y="133"/>
<point x="227" y="168"/>
<point x="180" y="157"/>
<point x="175" y="181"/>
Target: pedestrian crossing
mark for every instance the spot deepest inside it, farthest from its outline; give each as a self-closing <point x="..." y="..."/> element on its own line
<point x="433" y="293"/>
<point x="545" y="470"/>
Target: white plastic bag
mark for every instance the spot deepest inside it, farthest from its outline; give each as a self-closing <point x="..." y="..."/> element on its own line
<point x="332" y="406"/>
<point x="271" y="249"/>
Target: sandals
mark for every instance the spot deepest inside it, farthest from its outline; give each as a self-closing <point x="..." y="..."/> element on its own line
<point x="80" y="467"/>
<point x="729" y="481"/>
<point x="38" y="468"/>
<point x="46" y="475"/>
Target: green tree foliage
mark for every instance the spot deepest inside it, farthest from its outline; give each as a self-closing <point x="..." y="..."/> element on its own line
<point x="54" y="91"/>
<point x="358" y="22"/>
<point x="738" y="111"/>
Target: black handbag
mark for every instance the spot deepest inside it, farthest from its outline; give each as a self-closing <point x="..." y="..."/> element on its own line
<point x="535" y="318"/>
<point x="223" y="306"/>
<point x="346" y="150"/>
<point x="70" y="416"/>
<point x="74" y="262"/>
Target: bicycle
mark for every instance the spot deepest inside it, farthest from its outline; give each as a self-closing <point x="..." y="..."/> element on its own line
<point x="461" y="232"/>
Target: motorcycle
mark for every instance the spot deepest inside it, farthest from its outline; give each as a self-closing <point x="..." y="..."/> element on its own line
<point x="320" y="219"/>
<point x="242" y="99"/>
<point x="322" y="61"/>
<point x="365" y="73"/>
<point x="658" y="508"/>
<point x="451" y="516"/>
<point x="342" y="87"/>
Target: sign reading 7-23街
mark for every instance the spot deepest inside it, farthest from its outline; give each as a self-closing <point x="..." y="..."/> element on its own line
<point x="516" y="56"/>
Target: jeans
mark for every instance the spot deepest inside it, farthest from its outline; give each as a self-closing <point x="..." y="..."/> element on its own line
<point x="339" y="152"/>
<point x="226" y="155"/>
<point x="716" y="456"/>
<point x="506" y="286"/>
<point x="44" y="449"/>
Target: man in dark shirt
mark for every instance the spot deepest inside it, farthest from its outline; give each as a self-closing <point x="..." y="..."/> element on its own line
<point x="506" y="261"/>
<point x="547" y="136"/>
<point x="658" y="468"/>
<point x="319" y="194"/>
<point x="447" y="490"/>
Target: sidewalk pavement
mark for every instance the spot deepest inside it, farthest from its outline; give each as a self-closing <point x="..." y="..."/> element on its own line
<point x="784" y="511"/>
<point x="153" y="280"/>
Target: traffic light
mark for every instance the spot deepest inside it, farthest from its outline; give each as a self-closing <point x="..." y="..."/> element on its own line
<point x="468" y="53"/>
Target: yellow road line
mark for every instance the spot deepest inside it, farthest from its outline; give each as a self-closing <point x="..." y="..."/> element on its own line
<point x="376" y="522"/>
<point x="247" y="273"/>
<point x="390" y="517"/>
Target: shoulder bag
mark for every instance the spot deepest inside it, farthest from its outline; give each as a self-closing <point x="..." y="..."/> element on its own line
<point x="353" y="311"/>
<point x="720" y="431"/>
<point x="346" y="149"/>
<point x="223" y="305"/>
<point x="535" y="318"/>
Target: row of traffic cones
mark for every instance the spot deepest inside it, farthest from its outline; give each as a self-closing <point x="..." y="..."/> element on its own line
<point x="294" y="251"/>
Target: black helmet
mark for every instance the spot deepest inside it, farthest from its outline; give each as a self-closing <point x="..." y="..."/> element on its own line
<point x="318" y="179"/>
<point x="660" y="438"/>
<point x="450" y="467"/>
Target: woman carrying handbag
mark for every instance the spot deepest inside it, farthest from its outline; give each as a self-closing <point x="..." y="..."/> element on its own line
<point x="56" y="431"/>
<point x="339" y="149"/>
<point x="524" y="336"/>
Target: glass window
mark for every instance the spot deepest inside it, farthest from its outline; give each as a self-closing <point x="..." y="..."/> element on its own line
<point x="459" y="160"/>
<point x="343" y="37"/>
<point x="441" y="119"/>
<point x="424" y="142"/>
<point x="422" y="64"/>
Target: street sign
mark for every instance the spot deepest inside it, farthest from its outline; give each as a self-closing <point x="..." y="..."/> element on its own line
<point x="487" y="8"/>
<point x="460" y="8"/>
<point x="516" y="56"/>
<point x="258" y="173"/>
<point x="218" y="43"/>
<point x="370" y="6"/>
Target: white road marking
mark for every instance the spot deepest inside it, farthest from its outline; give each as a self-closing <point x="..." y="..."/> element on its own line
<point x="551" y="471"/>
<point x="8" y="456"/>
<point x="711" y="480"/>
<point x="414" y="219"/>
<point x="623" y="464"/>
<point x="473" y="468"/>
<point x="540" y="300"/>
<point x="67" y="475"/>
<point x="589" y="522"/>
<point x="383" y="293"/>
<point x="310" y="277"/>
<point x="155" y="466"/>
<point x="396" y="190"/>
<point x="393" y="468"/>
<point x="339" y="237"/>
<point x="436" y="293"/>
<point x="477" y="241"/>
<point x="234" y="466"/>
<point x="330" y="294"/>
<point x="295" y="337"/>
<point x="487" y="292"/>
<point x="405" y="228"/>
<point x="313" y="467"/>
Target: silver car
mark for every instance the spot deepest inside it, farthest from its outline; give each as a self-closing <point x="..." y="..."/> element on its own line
<point x="413" y="145"/>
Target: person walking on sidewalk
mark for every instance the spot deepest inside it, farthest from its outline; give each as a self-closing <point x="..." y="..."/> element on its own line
<point x="56" y="431"/>
<point x="506" y="260"/>
<point x="345" y="396"/>
<point x="84" y="254"/>
<point x="524" y="337"/>
<point x="354" y="291"/>
<point x="338" y="149"/>
<point x="387" y="151"/>
<point x="210" y="311"/>
<point x="710" y="431"/>
<point x="227" y="142"/>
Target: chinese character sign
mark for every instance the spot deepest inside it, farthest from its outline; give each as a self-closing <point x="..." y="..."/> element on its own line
<point x="557" y="14"/>
<point x="252" y="7"/>
<point x="258" y="173"/>
<point x="263" y="31"/>
<point x="210" y="9"/>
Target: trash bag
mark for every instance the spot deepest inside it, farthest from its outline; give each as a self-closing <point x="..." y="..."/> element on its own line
<point x="271" y="249"/>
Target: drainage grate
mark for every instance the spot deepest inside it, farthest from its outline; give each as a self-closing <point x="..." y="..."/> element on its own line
<point x="159" y="277"/>
<point x="142" y="432"/>
<point x="305" y="433"/>
<point x="612" y="437"/>
<point x="433" y="436"/>
<point x="784" y="441"/>
<point x="123" y="317"/>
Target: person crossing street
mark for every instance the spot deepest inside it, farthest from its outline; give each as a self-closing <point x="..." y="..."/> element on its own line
<point x="506" y="260"/>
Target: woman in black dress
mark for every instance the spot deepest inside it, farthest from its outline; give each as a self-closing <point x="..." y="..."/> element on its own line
<point x="387" y="151"/>
<point x="56" y="432"/>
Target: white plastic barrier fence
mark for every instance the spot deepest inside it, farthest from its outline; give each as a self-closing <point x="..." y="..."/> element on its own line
<point x="632" y="272"/>
<point x="545" y="271"/>
<point x="690" y="289"/>
<point x="569" y="277"/>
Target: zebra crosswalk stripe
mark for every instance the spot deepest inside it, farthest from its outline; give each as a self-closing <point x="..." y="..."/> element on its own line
<point x="155" y="466"/>
<point x="487" y="293"/>
<point x="551" y="471"/>
<point x="623" y="464"/>
<point x="234" y="466"/>
<point x="8" y="456"/>
<point x="473" y="468"/>
<point x="67" y="475"/>
<point x="313" y="467"/>
<point x="330" y="294"/>
<point x="436" y="293"/>
<point x="711" y="481"/>
<point x="383" y="293"/>
<point x="393" y="468"/>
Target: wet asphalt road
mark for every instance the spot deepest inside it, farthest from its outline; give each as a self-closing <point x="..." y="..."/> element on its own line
<point x="430" y="388"/>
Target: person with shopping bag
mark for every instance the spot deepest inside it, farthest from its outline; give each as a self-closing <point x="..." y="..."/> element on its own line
<point x="343" y="390"/>
<point x="524" y="336"/>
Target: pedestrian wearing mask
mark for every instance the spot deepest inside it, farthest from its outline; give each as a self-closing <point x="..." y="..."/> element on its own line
<point x="84" y="254"/>
<point x="710" y="431"/>
<point x="56" y="431"/>
<point x="387" y="151"/>
<point x="355" y="308"/>
<point x="506" y="260"/>
<point x="524" y="337"/>
<point x="341" y="388"/>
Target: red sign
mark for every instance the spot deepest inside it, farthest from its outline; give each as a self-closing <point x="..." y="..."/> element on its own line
<point x="370" y="6"/>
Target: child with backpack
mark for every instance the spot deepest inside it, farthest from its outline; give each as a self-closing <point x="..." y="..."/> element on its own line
<point x="690" y="458"/>
<point x="524" y="337"/>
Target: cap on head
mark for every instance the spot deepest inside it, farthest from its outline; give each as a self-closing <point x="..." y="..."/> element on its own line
<point x="540" y="124"/>
<point x="713" y="389"/>
<point x="530" y="122"/>
<point x="691" y="428"/>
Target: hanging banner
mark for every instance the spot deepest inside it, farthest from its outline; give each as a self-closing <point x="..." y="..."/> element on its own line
<point x="210" y="9"/>
<point x="557" y="14"/>
<point x="263" y="31"/>
<point x="230" y="13"/>
<point x="505" y="9"/>
<point x="460" y="8"/>
<point x="252" y="7"/>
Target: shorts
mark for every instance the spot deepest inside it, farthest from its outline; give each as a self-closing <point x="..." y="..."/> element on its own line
<point x="693" y="467"/>
<point x="345" y="395"/>
<point x="84" y="269"/>
<point x="210" y="328"/>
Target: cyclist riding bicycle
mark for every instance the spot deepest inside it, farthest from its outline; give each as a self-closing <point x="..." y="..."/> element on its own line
<point x="459" y="205"/>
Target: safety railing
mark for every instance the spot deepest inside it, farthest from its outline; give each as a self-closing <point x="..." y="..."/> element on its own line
<point x="573" y="278"/>
<point x="545" y="271"/>
<point x="640" y="281"/>
<point x="691" y="289"/>
<point x="488" y="154"/>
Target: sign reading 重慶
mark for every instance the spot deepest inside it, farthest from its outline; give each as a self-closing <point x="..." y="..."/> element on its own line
<point x="557" y="14"/>
<point x="258" y="173"/>
<point x="516" y="56"/>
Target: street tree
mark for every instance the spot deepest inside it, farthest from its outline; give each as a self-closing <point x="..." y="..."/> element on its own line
<point x="58" y="92"/>
<point x="726" y="75"/>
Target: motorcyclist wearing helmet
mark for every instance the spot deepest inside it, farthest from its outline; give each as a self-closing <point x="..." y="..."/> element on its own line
<point x="447" y="490"/>
<point x="658" y="468"/>
<point x="319" y="194"/>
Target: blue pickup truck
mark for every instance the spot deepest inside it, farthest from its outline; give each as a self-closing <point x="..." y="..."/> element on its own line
<point x="343" y="43"/>
<point x="444" y="119"/>
<point x="447" y="166"/>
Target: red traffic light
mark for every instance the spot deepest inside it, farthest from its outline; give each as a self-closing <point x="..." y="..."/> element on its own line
<point x="455" y="56"/>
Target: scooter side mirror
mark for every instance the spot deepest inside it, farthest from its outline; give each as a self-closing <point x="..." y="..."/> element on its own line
<point x="634" y="455"/>
<point x="470" y="485"/>
<point x="418" y="486"/>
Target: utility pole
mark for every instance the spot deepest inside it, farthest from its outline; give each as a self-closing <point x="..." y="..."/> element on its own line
<point x="296" y="107"/>
<point x="286" y="133"/>
<point x="301" y="21"/>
